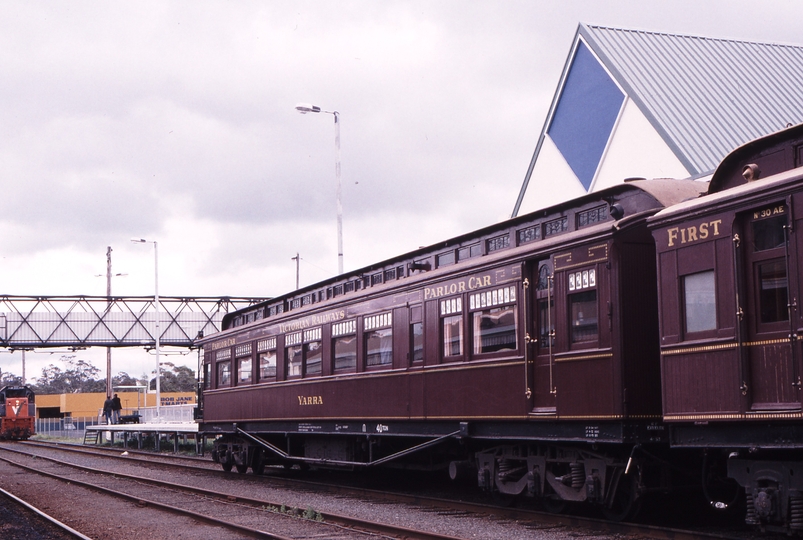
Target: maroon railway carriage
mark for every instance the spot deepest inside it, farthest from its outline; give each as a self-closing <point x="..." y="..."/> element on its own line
<point x="526" y="351"/>
<point x="730" y="282"/>
<point x="17" y="412"/>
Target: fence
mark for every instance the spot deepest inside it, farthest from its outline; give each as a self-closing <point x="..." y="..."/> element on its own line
<point x="74" y="428"/>
<point x="67" y="428"/>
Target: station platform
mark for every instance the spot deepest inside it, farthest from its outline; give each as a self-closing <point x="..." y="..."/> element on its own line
<point x="171" y="431"/>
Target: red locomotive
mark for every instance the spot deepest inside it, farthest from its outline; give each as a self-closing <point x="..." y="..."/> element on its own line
<point x="569" y="355"/>
<point x="17" y="412"/>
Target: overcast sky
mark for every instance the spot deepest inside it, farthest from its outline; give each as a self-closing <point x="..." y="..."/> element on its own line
<point x="175" y="122"/>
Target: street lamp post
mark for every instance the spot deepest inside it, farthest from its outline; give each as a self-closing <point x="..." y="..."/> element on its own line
<point x="156" y="302"/>
<point x="305" y="108"/>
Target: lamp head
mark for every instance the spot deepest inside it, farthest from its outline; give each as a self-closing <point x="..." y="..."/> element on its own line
<point x="304" y="108"/>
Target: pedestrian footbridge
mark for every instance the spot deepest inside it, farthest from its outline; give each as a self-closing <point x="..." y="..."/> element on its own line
<point x="33" y="322"/>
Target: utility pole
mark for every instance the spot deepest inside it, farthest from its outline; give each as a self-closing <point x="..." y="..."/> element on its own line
<point x="297" y="259"/>
<point x="109" y="276"/>
<point x="108" y="307"/>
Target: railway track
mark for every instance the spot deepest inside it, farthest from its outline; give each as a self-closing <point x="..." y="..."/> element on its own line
<point x="246" y="516"/>
<point x="20" y="519"/>
<point x="441" y="507"/>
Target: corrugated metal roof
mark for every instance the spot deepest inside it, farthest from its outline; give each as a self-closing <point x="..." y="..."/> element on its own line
<point x="705" y="96"/>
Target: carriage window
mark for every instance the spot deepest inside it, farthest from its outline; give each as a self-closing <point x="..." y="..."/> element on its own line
<point x="451" y="311"/>
<point x="344" y="338"/>
<point x="266" y="349"/>
<point x="293" y="354"/>
<point x="773" y="291"/>
<point x="267" y="365"/>
<point x="416" y="334"/>
<point x="243" y="355"/>
<point x="769" y="233"/>
<point x="223" y="359"/>
<point x="583" y="312"/>
<point x="546" y="323"/>
<point x="699" y="297"/>
<point x="244" y="370"/>
<point x="378" y="332"/>
<point x="546" y="305"/>
<point x="224" y="374"/>
<point x="583" y="306"/>
<point x="207" y="375"/>
<point x="493" y="320"/>
<point x="313" y="352"/>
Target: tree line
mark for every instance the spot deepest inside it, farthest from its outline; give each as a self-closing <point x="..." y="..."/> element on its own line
<point x="80" y="376"/>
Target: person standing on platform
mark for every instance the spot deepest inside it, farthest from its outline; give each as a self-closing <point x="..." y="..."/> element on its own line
<point x="107" y="409"/>
<point x="116" y="408"/>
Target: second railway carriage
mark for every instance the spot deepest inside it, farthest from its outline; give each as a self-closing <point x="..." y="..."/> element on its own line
<point x="525" y="352"/>
<point x="731" y="341"/>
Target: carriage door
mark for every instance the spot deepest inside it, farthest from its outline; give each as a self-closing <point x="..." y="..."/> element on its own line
<point x="769" y="353"/>
<point x="544" y="333"/>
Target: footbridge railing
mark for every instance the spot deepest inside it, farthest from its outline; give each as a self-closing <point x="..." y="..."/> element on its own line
<point x="28" y="322"/>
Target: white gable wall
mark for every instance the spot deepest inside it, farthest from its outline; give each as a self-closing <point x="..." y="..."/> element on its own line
<point x="636" y="150"/>
<point x="552" y="181"/>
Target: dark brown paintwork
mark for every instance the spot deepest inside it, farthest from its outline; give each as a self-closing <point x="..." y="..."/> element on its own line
<point x="610" y="379"/>
<point x="743" y="369"/>
<point x="781" y="151"/>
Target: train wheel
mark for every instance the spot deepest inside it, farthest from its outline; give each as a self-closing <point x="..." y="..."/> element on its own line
<point x="626" y="503"/>
<point x="242" y="469"/>
<point x="258" y="464"/>
<point x="227" y="466"/>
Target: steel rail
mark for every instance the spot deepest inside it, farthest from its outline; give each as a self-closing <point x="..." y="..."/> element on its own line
<point x="329" y="518"/>
<point x="50" y="519"/>
<point x="139" y="500"/>
<point x="546" y="518"/>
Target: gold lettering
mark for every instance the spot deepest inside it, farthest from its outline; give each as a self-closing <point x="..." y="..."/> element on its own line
<point x="310" y="400"/>
<point x="715" y="224"/>
<point x="692" y="233"/>
<point x="462" y="286"/>
<point x="487" y="281"/>
<point x="673" y="235"/>
<point x="300" y="400"/>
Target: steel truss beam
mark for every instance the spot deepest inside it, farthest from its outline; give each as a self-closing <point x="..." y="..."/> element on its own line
<point x="33" y="322"/>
